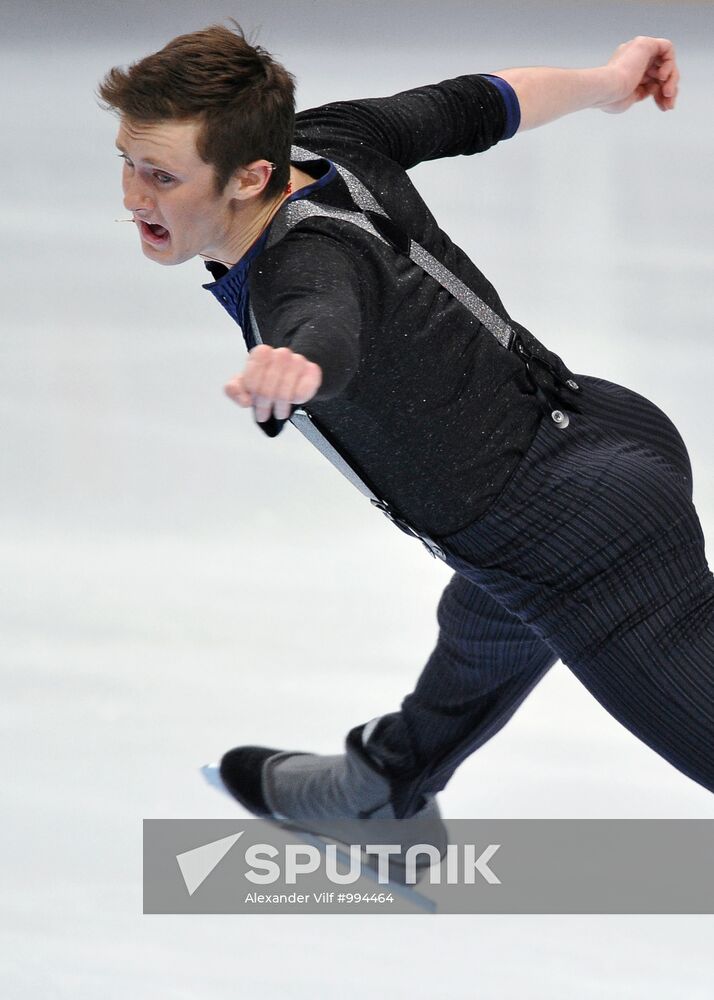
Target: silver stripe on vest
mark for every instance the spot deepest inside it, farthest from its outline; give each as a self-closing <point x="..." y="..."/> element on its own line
<point x="364" y="199"/>
<point x="465" y="295"/>
<point x="303" y="421"/>
<point x="297" y="211"/>
<point x="361" y="196"/>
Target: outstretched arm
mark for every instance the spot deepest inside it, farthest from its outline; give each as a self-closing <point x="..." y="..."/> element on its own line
<point x="643" y="67"/>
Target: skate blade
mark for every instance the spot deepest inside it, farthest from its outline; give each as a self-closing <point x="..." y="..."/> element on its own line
<point x="212" y="775"/>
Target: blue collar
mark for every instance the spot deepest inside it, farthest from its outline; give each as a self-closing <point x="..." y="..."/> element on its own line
<point x="230" y="287"/>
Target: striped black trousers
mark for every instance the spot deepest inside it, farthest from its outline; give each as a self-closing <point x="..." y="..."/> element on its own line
<point x="594" y="555"/>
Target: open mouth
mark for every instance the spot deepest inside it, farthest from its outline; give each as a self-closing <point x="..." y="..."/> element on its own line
<point x="153" y="233"/>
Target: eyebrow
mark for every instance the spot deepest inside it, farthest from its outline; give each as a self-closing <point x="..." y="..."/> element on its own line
<point x="150" y="163"/>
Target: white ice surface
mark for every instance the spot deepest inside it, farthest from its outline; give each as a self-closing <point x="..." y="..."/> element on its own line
<point x="174" y="584"/>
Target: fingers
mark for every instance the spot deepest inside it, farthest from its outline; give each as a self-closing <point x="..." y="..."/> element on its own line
<point x="649" y="66"/>
<point x="273" y="381"/>
<point x="308" y="383"/>
<point x="669" y="79"/>
<point x="235" y="390"/>
<point x="664" y="73"/>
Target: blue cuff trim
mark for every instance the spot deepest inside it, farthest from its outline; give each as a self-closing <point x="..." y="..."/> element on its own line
<point x="513" y="108"/>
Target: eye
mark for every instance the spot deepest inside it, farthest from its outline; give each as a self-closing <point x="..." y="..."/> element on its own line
<point x="125" y="158"/>
<point x="162" y="179"/>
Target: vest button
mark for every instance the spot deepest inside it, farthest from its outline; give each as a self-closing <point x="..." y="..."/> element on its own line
<point x="572" y="383"/>
<point x="560" y="419"/>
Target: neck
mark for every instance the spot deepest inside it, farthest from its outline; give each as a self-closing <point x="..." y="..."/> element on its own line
<point x="251" y="221"/>
<point x="249" y="225"/>
<point x="255" y="225"/>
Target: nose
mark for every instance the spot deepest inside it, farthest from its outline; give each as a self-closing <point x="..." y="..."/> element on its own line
<point x="136" y="195"/>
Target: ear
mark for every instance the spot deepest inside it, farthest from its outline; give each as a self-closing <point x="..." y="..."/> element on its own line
<point x="250" y="180"/>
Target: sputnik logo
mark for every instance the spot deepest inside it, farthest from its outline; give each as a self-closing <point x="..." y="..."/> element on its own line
<point x="197" y="864"/>
<point x="304" y="859"/>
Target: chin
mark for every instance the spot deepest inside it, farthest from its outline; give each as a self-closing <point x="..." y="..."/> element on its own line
<point x="165" y="259"/>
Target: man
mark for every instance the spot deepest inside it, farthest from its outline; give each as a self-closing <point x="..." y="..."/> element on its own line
<point x="562" y="501"/>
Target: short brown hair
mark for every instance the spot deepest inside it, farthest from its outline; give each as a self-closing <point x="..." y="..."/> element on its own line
<point x="243" y="98"/>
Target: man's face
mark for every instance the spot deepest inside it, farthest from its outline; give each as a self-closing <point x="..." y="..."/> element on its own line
<point x="170" y="192"/>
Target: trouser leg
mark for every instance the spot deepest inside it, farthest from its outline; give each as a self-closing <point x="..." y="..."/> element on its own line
<point x="598" y="546"/>
<point x="657" y="678"/>
<point x="485" y="663"/>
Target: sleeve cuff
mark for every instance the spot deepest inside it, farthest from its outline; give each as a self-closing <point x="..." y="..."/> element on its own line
<point x="513" y="108"/>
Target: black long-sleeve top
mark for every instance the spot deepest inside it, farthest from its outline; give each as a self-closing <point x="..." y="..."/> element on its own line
<point x="425" y="402"/>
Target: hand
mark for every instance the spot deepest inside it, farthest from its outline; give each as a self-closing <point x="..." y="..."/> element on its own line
<point x="273" y="380"/>
<point x="643" y="67"/>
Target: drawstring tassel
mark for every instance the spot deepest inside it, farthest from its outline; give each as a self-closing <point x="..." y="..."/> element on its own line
<point x="552" y="398"/>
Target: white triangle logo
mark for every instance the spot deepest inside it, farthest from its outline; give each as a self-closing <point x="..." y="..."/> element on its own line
<point x="197" y="864"/>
